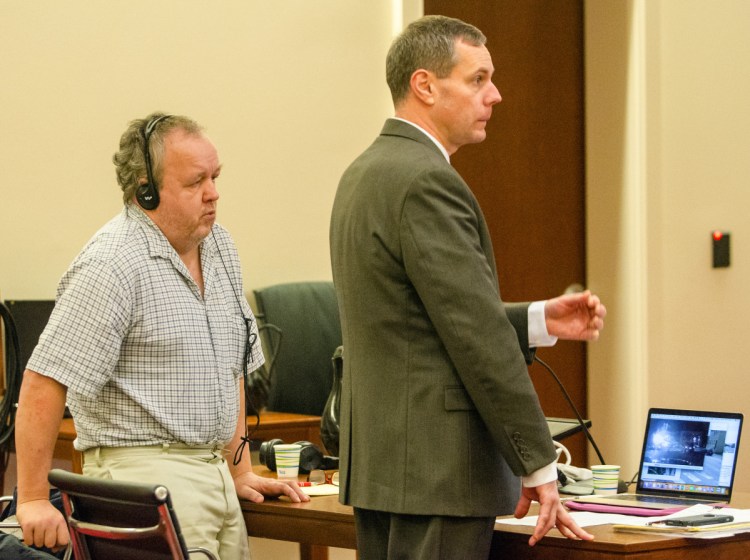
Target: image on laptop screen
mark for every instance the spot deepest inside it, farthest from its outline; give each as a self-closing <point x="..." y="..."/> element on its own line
<point x="690" y="453"/>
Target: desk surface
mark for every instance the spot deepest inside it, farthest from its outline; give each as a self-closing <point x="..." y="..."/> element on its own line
<point x="609" y="544"/>
<point x="284" y="425"/>
<point x="324" y="521"/>
<point x="268" y="421"/>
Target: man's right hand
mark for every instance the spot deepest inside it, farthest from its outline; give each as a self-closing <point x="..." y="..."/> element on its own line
<point x="551" y="513"/>
<point x="41" y="403"/>
<point x="42" y="524"/>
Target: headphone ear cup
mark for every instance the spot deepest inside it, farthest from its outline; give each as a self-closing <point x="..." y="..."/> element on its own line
<point x="266" y="454"/>
<point x="310" y="457"/>
<point x="147" y="196"/>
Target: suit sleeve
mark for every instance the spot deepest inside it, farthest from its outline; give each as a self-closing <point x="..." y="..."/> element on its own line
<point x="518" y="315"/>
<point x="445" y="249"/>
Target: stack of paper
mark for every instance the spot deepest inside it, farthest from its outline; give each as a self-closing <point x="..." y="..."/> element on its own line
<point x="741" y="522"/>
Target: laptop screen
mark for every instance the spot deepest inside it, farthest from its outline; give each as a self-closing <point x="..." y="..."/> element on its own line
<point x="690" y="453"/>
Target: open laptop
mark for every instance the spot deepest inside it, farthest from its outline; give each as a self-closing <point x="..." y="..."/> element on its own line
<point x="689" y="457"/>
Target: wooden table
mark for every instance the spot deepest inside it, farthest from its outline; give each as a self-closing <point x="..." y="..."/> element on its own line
<point x="608" y="544"/>
<point x="324" y="522"/>
<point x="316" y="525"/>
<point x="283" y="425"/>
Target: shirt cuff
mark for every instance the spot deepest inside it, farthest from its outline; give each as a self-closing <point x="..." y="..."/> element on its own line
<point x="538" y="335"/>
<point x="541" y="476"/>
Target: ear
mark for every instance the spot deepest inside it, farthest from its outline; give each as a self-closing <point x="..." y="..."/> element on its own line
<point x="423" y="86"/>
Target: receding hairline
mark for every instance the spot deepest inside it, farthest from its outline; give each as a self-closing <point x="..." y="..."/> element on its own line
<point x="175" y="138"/>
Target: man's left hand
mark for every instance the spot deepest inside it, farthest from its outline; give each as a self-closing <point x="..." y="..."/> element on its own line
<point x="255" y="488"/>
<point x="578" y="316"/>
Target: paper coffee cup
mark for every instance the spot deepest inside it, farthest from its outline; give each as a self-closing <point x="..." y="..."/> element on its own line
<point x="605" y="478"/>
<point x="287" y="460"/>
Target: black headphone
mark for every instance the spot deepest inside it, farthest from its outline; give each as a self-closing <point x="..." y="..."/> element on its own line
<point x="310" y="456"/>
<point x="147" y="194"/>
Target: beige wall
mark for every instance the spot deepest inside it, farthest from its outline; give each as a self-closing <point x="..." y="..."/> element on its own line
<point x="668" y="144"/>
<point x="289" y="91"/>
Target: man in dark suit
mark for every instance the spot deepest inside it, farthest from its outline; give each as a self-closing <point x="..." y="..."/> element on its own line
<point x="439" y="416"/>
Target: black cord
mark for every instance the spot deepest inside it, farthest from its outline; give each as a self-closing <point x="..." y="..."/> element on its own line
<point x="13" y="376"/>
<point x="632" y="480"/>
<point x="575" y="410"/>
<point x="250" y="339"/>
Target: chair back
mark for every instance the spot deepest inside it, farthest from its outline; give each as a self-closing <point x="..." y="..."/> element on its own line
<point x="111" y="519"/>
<point x="307" y="316"/>
<point x="23" y="321"/>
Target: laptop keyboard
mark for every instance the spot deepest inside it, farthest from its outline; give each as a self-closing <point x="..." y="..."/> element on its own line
<point x="654" y="499"/>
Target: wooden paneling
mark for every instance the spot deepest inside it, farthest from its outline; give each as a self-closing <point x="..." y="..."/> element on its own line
<point x="529" y="173"/>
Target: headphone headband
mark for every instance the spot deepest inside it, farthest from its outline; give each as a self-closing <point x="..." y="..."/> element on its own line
<point x="147" y="195"/>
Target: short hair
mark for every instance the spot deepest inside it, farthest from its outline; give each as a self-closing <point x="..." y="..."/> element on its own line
<point x="129" y="160"/>
<point x="427" y="43"/>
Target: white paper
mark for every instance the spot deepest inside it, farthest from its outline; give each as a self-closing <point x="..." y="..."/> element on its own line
<point x="590" y="518"/>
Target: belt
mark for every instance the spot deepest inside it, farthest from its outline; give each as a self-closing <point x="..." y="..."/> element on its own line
<point x="210" y="452"/>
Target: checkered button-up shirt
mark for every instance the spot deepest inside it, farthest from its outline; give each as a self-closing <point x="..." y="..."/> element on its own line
<point x="146" y="358"/>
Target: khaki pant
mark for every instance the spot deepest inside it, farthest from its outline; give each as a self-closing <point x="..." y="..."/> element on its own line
<point x="199" y="482"/>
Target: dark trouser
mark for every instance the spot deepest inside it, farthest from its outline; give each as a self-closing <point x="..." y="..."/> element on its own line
<point x="392" y="536"/>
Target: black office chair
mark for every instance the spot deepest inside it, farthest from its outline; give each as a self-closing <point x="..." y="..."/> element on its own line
<point x="24" y="321"/>
<point x="306" y="332"/>
<point x="120" y="520"/>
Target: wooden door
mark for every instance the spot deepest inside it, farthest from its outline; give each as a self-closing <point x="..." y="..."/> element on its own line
<point x="529" y="173"/>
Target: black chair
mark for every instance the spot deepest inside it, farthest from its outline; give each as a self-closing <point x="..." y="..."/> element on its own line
<point x="24" y="321"/>
<point x="120" y="520"/>
<point x="305" y="333"/>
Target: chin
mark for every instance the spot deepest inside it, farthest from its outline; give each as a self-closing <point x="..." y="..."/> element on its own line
<point x="478" y="137"/>
<point x="203" y="232"/>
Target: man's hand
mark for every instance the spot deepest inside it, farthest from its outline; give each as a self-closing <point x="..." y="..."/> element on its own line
<point x="252" y="487"/>
<point x="577" y="316"/>
<point x="551" y="513"/>
<point x="42" y="524"/>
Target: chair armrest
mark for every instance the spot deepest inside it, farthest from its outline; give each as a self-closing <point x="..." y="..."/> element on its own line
<point x="201" y="550"/>
<point x="7" y="524"/>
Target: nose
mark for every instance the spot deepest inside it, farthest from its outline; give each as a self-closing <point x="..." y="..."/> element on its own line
<point x="211" y="194"/>
<point x="494" y="95"/>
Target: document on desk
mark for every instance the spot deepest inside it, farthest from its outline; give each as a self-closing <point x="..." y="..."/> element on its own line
<point x="320" y="490"/>
<point x="583" y="518"/>
<point x="633" y="523"/>
<point x="740" y="523"/>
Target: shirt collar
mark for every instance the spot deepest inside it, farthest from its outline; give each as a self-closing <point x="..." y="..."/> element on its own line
<point x="430" y="136"/>
<point x="158" y="243"/>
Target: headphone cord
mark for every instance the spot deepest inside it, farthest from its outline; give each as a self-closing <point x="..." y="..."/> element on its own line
<point x="250" y="339"/>
<point x="575" y="410"/>
<point x="13" y="377"/>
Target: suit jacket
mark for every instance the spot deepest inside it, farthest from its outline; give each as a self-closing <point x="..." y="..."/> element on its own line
<point x="438" y="414"/>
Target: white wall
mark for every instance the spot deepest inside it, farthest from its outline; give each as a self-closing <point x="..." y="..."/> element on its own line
<point x="289" y="91"/>
<point x="668" y="144"/>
